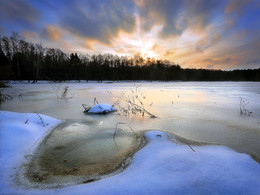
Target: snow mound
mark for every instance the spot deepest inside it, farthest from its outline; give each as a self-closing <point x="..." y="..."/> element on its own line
<point x="166" y="167"/>
<point x="156" y="136"/>
<point x="101" y="109"/>
<point x="20" y="134"/>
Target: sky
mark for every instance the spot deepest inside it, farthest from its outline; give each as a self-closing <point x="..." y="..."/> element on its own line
<point x="212" y="34"/>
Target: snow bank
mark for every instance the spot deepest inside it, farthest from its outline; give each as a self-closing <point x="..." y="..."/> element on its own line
<point x="164" y="167"/>
<point x="161" y="167"/>
<point x="19" y="136"/>
<point x="101" y="109"/>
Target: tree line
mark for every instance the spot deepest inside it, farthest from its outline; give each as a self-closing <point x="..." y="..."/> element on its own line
<point x="23" y="60"/>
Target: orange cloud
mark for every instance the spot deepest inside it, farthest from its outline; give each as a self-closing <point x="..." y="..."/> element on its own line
<point x="123" y="51"/>
<point x="89" y="44"/>
<point x="31" y="35"/>
<point x="52" y="33"/>
<point x="155" y="47"/>
<point x="207" y="39"/>
<point x="235" y="5"/>
<point x="168" y="53"/>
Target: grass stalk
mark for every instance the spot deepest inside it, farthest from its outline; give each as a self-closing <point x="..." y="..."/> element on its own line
<point x="120" y="123"/>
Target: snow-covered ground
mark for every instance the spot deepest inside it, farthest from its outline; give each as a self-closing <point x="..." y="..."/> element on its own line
<point x="20" y="134"/>
<point x="161" y="167"/>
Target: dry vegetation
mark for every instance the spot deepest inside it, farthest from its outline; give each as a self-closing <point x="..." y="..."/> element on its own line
<point x="120" y="123"/>
<point x="5" y="97"/>
<point x="243" y="109"/>
<point x="132" y="104"/>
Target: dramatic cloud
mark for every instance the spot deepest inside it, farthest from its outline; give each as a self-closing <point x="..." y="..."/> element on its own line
<point x="18" y="12"/>
<point x="176" y="16"/>
<point x="234" y="6"/>
<point x="99" y="20"/>
<point x="51" y="33"/>
<point x="165" y="13"/>
<point x="199" y="33"/>
<point x="209" y="38"/>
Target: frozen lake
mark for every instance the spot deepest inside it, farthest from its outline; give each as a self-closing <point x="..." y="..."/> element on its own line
<point x="203" y="112"/>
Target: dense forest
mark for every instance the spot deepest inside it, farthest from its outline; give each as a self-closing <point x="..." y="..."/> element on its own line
<point x="23" y="60"/>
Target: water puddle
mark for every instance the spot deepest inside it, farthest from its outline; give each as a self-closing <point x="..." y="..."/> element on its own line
<point x="79" y="152"/>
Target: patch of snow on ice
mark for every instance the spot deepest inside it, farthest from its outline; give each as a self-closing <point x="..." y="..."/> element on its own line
<point x="101" y="109"/>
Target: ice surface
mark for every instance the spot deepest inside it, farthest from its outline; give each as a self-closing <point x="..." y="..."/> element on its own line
<point x="101" y="109"/>
<point x="161" y="167"/>
<point x="200" y="111"/>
